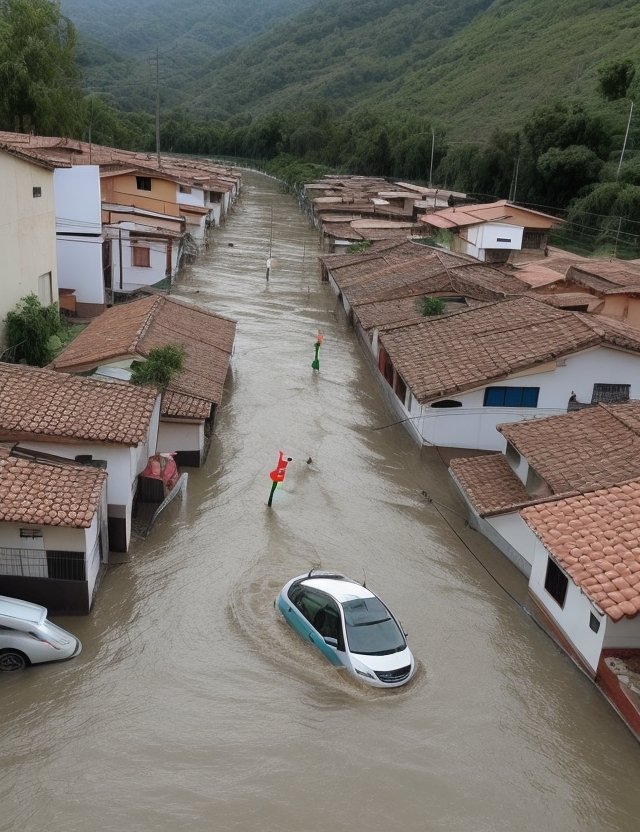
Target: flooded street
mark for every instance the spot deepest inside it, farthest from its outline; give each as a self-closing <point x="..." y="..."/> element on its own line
<point x="193" y="708"/>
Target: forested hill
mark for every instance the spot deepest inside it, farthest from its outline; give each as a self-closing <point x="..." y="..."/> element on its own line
<point x="139" y="27"/>
<point x="472" y="65"/>
<point x="119" y="40"/>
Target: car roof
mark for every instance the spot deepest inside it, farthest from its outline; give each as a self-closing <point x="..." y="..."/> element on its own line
<point x="342" y="589"/>
<point x="21" y="610"/>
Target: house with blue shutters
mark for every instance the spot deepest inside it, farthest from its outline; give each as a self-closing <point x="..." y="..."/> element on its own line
<point x="452" y="379"/>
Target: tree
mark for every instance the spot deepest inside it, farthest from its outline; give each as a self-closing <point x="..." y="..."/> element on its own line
<point x="614" y="79"/>
<point x="562" y="125"/>
<point x="565" y="171"/>
<point x="33" y="332"/>
<point x="37" y="68"/>
<point x="161" y="366"/>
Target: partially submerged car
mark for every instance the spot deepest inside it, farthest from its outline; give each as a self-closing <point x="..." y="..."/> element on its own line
<point x="28" y="637"/>
<point x="349" y="625"/>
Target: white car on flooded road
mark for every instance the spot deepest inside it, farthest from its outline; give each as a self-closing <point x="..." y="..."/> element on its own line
<point x="28" y="637"/>
<point x="349" y="625"/>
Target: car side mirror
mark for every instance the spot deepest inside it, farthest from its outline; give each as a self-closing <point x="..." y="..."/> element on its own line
<point x="332" y="642"/>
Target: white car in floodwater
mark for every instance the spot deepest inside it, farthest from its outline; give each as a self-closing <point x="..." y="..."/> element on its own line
<point x="349" y="625"/>
<point x="28" y="637"/>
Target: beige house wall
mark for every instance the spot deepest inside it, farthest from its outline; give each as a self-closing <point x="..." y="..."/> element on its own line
<point x="123" y="190"/>
<point x="622" y="308"/>
<point x="27" y="235"/>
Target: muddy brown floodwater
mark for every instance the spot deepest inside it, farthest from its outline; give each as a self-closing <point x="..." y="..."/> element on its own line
<point x="192" y="708"/>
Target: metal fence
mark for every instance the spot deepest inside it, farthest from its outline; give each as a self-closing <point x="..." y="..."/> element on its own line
<point x="43" y="563"/>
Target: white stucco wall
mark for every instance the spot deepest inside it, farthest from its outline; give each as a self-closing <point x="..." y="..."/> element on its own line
<point x="196" y="197"/>
<point x="80" y="267"/>
<point x="77" y="200"/>
<point x="133" y="277"/>
<point x="514" y="531"/>
<point x="180" y="436"/>
<point x="53" y="537"/>
<point x="573" y="618"/>
<point x="27" y="234"/>
<point x="474" y="426"/>
<point x="623" y="633"/>
<point x="497" y="236"/>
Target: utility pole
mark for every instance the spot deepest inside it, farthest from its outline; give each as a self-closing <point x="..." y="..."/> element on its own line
<point x="90" y="127"/>
<point x="626" y="136"/>
<point x="158" y="107"/>
<point x="433" y="142"/>
<point x="514" y="181"/>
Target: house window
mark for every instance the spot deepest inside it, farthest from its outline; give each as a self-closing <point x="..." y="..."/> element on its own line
<point x="401" y="388"/>
<point x="503" y="239"/>
<point x="511" y="396"/>
<point x="31" y="534"/>
<point x="533" y="239"/>
<point x="66" y="566"/>
<point x="143" y="183"/>
<point x="556" y="582"/>
<point x="446" y="403"/>
<point x="594" y="623"/>
<point x="610" y="393"/>
<point x="37" y="191"/>
<point x="141" y="256"/>
<point x="184" y="189"/>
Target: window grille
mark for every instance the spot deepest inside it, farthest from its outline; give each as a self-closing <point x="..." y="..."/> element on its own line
<point x="610" y="393"/>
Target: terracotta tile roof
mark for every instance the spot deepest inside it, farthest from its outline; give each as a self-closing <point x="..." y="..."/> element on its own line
<point x="49" y="493"/>
<point x="594" y="538"/>
<point x="566" y="300"/>
<point x="500" y="211"/>
<point x="342" y="231"/>
<point x="61" y="152"/>
<point x="185" y="407"/>
<point x="591" y="448"/>
<point x="115" y="334"/>
<point x="489" y="483"/>
<point x="442" y="356"/>
<point x="133" y="329"/>
<point x="27" y="155"/>
<point x="42" y="404"/>
<point x="605" y="274"/>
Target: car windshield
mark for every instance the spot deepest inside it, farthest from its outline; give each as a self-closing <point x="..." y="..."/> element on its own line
<point x="371" y="630"/>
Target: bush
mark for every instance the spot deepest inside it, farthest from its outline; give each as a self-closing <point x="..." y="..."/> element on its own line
<point x="33" y="332"/>
<point x="161" y="366"/>
<point x="432" y="306"/>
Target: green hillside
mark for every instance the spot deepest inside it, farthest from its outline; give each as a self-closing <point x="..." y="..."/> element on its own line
<point x="118" y="49"/>
<point x="472" y="65"/>
<point x="467" y="65"/>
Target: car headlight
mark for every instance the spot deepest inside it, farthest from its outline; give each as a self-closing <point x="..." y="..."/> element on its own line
<point x="364" y="673"/>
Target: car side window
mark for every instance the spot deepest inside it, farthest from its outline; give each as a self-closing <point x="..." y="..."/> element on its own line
<point x="302" y="599"/>
<point x="328" y="623"/>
